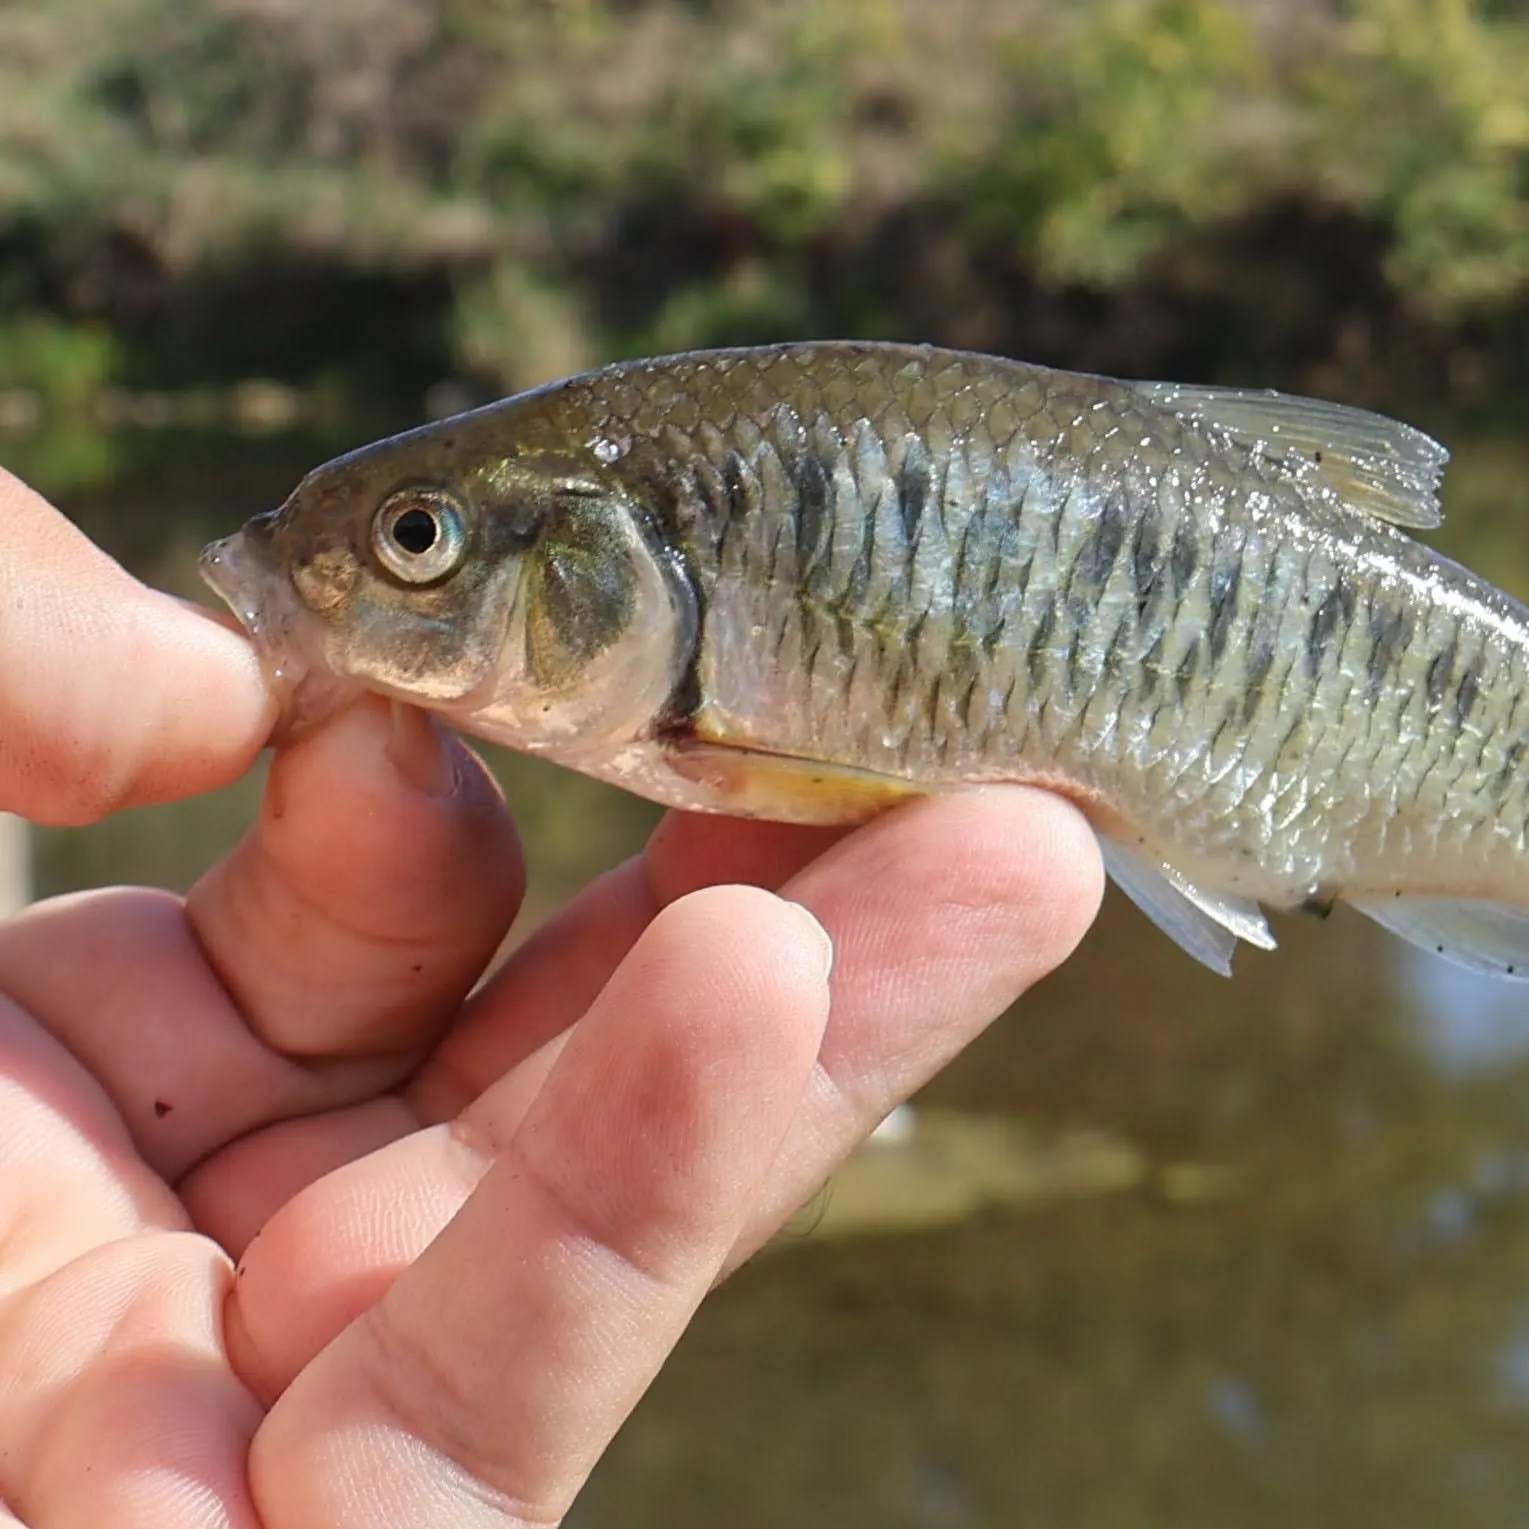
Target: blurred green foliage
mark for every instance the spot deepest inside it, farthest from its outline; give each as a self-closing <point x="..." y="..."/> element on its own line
<point x="72" y="361"/>
<point x="1428" y="106"/>
<point x="510" y="188"/>
<point x="1123" y="125"/>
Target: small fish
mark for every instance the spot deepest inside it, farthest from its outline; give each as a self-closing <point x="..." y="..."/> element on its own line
<point x="806" y="582"/>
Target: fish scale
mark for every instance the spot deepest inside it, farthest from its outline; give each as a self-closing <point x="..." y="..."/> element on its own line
<point x="808" y="581"/>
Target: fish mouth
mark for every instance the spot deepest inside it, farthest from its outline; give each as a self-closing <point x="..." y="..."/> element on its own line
<point x="243" y="571"/>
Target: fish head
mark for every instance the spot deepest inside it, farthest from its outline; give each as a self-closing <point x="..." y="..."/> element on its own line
<point x="520" y="591"/>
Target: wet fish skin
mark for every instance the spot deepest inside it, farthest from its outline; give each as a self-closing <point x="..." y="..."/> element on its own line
<point x="801" y="581"/>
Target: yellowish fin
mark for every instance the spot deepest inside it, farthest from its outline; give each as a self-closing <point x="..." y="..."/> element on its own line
<point x="752" y="783"/>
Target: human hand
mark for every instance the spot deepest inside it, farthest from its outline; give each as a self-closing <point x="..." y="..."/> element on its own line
<point x="470" y="1228"/>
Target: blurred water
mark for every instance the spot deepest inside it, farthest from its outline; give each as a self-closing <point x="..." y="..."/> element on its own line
<point x="1160" y="1250"/>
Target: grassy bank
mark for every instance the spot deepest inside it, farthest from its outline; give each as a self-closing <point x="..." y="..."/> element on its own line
<point x="368" y="196"/>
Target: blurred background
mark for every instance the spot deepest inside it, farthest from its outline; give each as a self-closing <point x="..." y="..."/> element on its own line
<point x="1161" y="1250"/>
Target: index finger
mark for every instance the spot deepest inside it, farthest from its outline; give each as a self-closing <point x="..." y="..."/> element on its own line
<point x="112" y="694"/>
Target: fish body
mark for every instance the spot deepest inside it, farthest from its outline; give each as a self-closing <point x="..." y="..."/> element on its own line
<point x="807" y="581"/>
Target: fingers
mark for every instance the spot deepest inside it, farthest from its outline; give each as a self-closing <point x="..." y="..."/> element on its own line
<point x="1040" y="859"/>
<point x="941" y="913"/>
<point x="71" y="1178"/>
<point x="110" y="1337"/>
<point x="112" y="694"/>
<point x="554" y="976"/>
<point x="483" y="1386"/>
<point x="941" y="917"/>
<point x="148" y="1020"/>
<point x="334" y="1248"/>
<point x="692" y="849"/>
<point x="380" y="878"/>
<point x="116" y="1403"/>
<point x="118" y="1406"/>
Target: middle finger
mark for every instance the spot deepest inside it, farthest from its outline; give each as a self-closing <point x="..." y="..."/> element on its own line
<point x="301" y="973"/>
<point x="378" y="882"/>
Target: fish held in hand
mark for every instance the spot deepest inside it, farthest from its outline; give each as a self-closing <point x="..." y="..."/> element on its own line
<point x="806" y="582"/>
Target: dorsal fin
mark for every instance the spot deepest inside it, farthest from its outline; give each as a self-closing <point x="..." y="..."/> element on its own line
<point x="1373" y="463"/>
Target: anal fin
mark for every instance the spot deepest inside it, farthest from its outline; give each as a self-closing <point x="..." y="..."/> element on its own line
<point x="1207" y="925"/>
<point x="1488" y="938"/>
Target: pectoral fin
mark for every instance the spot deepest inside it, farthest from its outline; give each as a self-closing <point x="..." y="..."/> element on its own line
<point x="753" y="783"/>
<point x="1374" y="463"/>
<point x="1206" y="924"/>
<point x="1488" y="938"/>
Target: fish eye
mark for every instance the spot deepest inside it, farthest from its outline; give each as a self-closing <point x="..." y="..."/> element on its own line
<point x="418" y="535"/>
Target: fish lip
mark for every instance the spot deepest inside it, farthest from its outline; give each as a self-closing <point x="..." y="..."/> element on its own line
<point x="243" y="571"/>
<point x="236" y="574"/>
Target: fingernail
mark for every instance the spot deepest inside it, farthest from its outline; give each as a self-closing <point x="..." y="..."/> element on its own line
<point x="821" y="937"/>
<point x="419" y="752"/>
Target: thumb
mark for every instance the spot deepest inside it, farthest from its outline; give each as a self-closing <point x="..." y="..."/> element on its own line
<point x="111" y="694"/>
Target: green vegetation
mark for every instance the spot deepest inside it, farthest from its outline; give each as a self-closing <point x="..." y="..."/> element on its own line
<point x="380" y="193"/>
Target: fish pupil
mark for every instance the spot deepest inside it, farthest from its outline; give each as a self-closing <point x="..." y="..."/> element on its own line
<point x="416" y="531"/>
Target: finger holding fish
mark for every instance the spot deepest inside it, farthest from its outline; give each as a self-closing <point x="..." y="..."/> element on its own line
<point x="309" y="970"/>
<point x="113" y="694"/>
<point x="554" y="975"/>
<point x="380" y="877"/>
<point x="933" y="849"/>
<point x="943" y="915"/>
